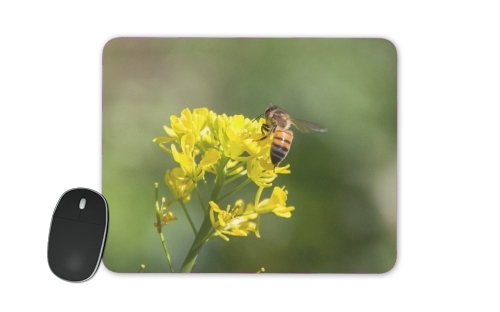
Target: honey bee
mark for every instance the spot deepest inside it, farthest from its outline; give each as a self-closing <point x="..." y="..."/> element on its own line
<point x="278" y="123"/>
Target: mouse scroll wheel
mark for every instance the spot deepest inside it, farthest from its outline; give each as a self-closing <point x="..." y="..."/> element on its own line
<point x="82" y="204"/>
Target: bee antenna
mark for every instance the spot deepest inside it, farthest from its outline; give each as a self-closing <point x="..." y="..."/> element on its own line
<point x="257" y="117"/>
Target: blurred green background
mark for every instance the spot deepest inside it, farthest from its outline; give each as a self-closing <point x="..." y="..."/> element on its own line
<point x="343" y="182"/>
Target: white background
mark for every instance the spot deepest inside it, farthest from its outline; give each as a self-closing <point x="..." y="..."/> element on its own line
<point x="448" y="151"/>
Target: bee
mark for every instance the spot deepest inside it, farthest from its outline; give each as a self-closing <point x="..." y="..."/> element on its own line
<point x="278" y="123"/>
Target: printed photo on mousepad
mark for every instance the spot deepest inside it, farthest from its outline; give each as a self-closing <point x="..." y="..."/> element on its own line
<point x="250" y="155"/>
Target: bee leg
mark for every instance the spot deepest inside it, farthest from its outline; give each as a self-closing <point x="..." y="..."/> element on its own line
<point x="264" y="137"/>
<point x="266" y="128"/>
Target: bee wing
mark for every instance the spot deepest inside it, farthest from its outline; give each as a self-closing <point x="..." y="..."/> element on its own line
<point x="306" y="126"/>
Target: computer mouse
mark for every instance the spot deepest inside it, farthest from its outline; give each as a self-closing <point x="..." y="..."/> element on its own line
<point x="78" y="234"/>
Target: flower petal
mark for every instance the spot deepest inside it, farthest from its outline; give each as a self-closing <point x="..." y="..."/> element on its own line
<point x="163" y="140"/>
<point x="210" y="157"/>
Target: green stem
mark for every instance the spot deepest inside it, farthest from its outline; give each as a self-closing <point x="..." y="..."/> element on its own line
<point x="166" y="252"/>
<point x="240" y="164"/>
<point x="257" y="196"/>
<point x="235" y="177"/>
<point x="206" y="230"/>
<point x="157" y="210"/>
<point x="158" y="229"/>
<point x="220" y="179"/>
<point x="209" y="188"/>
<point x="188" y="216"/>
<point x="204" y="234"/>
<point x="199" y="198"/>
<point x="239" y="187"/>
<point x="257" y="199"/>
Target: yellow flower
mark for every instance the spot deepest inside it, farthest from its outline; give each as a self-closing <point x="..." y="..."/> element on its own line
<point x="275" y="204"/>
<point x="263" y="173"/>
<point x="162" y="140"/>
<point x="235" y="135"/>
<point x="236" y="221"/>
<point x="194" y="123"/>
<point x="165" y="216"/>
<point x="188" y="123"/>
<point x="187" y="158"/>
<point x="230" y="221"/>
<point x="179" y="184"/>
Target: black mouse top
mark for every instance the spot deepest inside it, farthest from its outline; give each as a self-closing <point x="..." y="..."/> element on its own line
<point x="78" y="234"/>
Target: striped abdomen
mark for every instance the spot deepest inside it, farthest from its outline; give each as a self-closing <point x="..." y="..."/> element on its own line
<point x="282" y="140"/>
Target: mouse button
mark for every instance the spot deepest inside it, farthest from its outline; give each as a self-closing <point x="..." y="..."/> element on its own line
<point x="67" y="207"/>
<point x="64" y="241"/>
<point x="95" y="209"/>
<point x="74" y="249"/>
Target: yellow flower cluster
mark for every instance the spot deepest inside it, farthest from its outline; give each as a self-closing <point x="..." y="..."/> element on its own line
<point x="236" y="221"/>
<point x="207" y="140"/>
<point x="202" y="141"/>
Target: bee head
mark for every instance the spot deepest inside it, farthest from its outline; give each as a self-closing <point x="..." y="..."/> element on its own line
<point x="270" y="109"/>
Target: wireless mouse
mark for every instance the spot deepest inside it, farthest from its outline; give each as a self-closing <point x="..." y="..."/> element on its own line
<point x="78" y="234"/>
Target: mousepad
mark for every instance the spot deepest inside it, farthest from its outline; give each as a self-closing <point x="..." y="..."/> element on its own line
<point x="250" y="155"/>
